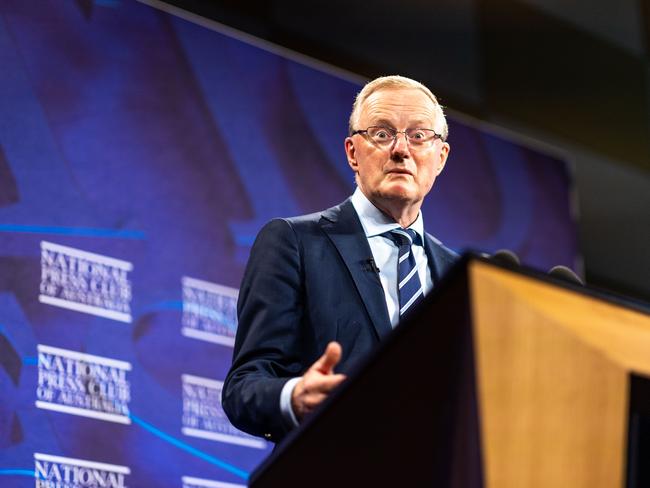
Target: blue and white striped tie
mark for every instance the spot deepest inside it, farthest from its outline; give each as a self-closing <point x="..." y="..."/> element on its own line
<point x="409" y="286"/>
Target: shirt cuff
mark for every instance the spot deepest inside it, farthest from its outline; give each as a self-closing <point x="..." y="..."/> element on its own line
<point x="285" y="402"/>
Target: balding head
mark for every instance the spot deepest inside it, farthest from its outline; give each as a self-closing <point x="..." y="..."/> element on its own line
<point x="395" y="82"/>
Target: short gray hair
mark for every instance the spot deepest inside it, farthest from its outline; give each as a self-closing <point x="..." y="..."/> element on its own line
<point x="396" y="81"/>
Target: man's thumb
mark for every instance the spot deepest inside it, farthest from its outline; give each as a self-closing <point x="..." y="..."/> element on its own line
<point x="330" y="358"/>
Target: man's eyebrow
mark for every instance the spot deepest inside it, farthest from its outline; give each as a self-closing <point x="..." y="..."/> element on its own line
<point x="383" y="123"/>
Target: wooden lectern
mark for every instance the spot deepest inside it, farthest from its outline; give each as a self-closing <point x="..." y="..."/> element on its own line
<point x="503" y="378"/>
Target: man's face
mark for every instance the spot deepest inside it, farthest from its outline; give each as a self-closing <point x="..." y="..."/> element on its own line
<point x="397" y="173"/>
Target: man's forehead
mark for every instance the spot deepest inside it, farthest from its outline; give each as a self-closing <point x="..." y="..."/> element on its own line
<point x="388" y="103"/>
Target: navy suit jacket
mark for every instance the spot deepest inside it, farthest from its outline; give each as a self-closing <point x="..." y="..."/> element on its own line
<point x="308" y="282"/>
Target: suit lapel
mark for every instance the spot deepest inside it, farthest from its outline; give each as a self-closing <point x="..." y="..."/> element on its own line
<point x="342" y="226"/>
<point x="439" y="260"/>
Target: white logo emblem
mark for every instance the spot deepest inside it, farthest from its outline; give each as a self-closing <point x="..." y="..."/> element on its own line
<point x="209" y="311"/>
<point x="204" y="417"/>
<point x="82" y="384"/>
<point x="62" y="472"/>
<point x="85" y="282"/>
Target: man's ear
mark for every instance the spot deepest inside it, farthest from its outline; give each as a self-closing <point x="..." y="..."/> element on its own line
<point x="444" y="154"/>
<point x="350" y="152"/>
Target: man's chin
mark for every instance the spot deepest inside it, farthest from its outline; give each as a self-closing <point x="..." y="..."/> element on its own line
<point x="396" y="192"/>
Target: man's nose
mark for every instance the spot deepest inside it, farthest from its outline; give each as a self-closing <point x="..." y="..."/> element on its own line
<point x="400" y="145"/>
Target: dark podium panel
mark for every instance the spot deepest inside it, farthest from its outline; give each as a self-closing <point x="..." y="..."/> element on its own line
<point x="501" y="379"/>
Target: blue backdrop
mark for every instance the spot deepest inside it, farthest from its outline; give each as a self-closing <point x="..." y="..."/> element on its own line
<point x="139" y="155"/>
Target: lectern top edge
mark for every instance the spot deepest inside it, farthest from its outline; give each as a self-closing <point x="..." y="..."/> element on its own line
<point x="605" y="295"/>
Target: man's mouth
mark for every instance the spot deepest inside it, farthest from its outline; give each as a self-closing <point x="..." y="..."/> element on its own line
<point x="400" y="171"/>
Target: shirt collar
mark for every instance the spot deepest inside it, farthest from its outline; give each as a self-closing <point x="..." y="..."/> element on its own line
<point x="375" y="222"/>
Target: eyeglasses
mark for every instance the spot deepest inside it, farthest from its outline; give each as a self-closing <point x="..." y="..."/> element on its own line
<point x="385" y="136"/>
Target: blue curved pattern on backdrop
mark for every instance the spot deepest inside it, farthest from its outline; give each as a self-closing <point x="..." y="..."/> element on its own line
<point x="139" y="156"/>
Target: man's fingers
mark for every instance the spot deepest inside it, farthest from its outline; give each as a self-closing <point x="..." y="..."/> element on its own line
<point x="315" y="396"/>
<point x="330" y="358"/>
<point x="322" y="383"/>
<point x="328" y="383"/>
<point x="312" y="401"/>
<point x="317" y="382"/>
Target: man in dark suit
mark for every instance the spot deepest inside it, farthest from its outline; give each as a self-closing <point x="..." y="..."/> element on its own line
<point x="321" y="290"/>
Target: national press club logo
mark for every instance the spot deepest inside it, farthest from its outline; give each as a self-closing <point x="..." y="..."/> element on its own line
<point x="63" y="472"/>
<point x="82" y="384"/>
<point x="209" y="311"/>
<point x="204" y="417"/>
<point x="85" y="282"/>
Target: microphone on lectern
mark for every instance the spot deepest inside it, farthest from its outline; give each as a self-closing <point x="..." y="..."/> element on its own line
<point x="566" y="274"/>
<point x="505" y="257"/>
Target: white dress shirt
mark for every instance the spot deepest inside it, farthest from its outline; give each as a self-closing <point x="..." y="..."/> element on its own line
<point x="385" y="253"/>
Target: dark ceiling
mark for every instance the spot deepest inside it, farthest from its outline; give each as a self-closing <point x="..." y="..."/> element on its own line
<point x="493" y="59"/>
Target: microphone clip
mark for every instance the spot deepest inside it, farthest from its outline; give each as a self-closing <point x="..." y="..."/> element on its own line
<point x="370" y="265"/>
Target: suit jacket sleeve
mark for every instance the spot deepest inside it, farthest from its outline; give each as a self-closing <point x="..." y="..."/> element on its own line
<point x="269" y="336"/>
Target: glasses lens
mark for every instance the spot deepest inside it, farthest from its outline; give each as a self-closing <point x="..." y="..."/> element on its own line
<point x="420" y="137"/>
<point x="382" y="135"/>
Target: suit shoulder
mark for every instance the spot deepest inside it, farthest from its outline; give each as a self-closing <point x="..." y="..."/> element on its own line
<point x="308" y="224"/>
<point x="303" y="222"/>
<point x="437" y="244"/>
<point x="286" y="231"/>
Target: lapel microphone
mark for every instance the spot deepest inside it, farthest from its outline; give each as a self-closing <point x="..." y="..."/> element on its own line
<point x="369" y="265"/>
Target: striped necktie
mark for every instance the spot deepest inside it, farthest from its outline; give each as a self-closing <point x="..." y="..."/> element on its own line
<point x="409" y="285"/>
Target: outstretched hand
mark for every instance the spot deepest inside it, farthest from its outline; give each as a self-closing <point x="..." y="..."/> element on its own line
<point x="317" y="382"/>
